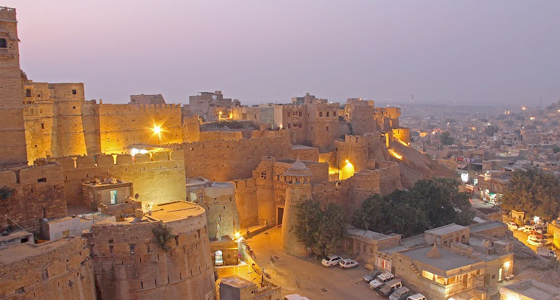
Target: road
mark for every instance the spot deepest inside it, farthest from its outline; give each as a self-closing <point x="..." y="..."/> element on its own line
<point x="306" y="276"/>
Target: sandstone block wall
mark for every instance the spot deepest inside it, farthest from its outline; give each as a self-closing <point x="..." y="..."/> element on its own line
<point x="232" y="160"/>
<point x="38" y="192"/>
<point x="128" y="264"/>
<point x="60" y="269"/>
<point x="157" y="178"/>
<point x="246" y="200"/>
<point x="12" y="148"/>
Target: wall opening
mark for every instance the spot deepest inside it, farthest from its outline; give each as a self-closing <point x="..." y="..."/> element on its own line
<point x="280" y="215"/>
<point x="3" y="43"/>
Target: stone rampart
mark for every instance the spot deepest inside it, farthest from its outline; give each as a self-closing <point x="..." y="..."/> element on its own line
<point x="232" y="160"/>
<point x="157" y="177"/>
<point x="59" y="269"/>
<point x="35" y="193"/>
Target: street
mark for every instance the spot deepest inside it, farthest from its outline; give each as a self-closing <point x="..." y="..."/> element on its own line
<point x="306" y="276"/>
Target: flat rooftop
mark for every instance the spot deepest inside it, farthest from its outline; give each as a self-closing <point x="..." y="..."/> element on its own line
<point x="447" y="261"/>
<point x="302" y="147"/>
<point x="447" y="229"/>
<point x="486" y="225"/>
<point x="236" y="281"/>
<point x="19" y="252"/>
<point x="533" y="289"/>
<point x="174" y="211"/>
<point x="367" y="234"/>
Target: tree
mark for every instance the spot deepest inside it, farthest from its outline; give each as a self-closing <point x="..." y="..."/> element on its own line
<point x="429" y="204"/>
<point x="162" y="235"/>
<point x="321" y="230"/>
<point x="535" y="192"/>
<point x="446" y="139"/>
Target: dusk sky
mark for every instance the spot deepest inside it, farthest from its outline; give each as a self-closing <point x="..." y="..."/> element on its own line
<point x="483" y="52"/>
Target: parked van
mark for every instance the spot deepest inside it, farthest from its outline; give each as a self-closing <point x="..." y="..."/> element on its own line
<point x="399" y="293"/>
<point x="390" y="287"/>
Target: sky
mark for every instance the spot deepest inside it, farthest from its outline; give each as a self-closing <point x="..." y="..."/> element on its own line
<point x="267" y="51"/>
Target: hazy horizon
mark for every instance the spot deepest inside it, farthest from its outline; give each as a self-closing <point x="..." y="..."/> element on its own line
<point x="472" y="52"/>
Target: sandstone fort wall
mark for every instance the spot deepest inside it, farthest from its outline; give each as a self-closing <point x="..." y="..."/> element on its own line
<point x="60" y="269"/>
<point x="38" y="192"/>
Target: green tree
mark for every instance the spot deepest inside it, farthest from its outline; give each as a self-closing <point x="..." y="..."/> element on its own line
<point x="446" y="139"/>
<point x="535" y="192"/>
<point x="430" y="203"/>
<point x="321" y="229"/>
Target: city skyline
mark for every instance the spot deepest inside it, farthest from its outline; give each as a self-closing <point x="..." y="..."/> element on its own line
<point x="473" y="53"/>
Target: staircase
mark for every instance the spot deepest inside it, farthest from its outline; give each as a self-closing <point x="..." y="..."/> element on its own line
<point x="415" y="269"/>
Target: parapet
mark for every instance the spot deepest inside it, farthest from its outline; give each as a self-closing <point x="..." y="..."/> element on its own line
<point x="7" y="13"/>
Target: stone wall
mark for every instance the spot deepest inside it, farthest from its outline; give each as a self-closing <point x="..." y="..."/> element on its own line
<point x="246" y="200"/>
<point x="38" y="192"/>
<point x="220" y="136"/>
<point x="157" y="177"/>
<point x="60" y="269"/>
<point x="232" y="160"/>
<point x="12" y="135"/>
<point x="128" y="264"/>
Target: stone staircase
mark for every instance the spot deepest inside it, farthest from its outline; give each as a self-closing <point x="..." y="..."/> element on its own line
<point x="415" y="269"/>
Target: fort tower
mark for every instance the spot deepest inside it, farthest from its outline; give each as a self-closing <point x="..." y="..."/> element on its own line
<point x="298" y="180"/>
<point x="12" y="132"/>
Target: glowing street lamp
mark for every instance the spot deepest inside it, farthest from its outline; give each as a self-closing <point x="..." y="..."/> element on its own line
<point x="157" y="130"/>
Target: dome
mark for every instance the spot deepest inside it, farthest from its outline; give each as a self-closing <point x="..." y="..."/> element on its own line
<point x="298" y="169"/>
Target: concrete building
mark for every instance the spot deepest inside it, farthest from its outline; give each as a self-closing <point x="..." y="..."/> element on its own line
<point x="237" y="288"/>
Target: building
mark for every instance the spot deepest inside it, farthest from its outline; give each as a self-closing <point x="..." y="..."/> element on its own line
<point x="529" y="289"/>
<point x="237" y="288"/>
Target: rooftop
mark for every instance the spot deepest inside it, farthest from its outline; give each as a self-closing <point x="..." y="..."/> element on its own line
<point x="533" y="289"/>
<point x="447" y="261"/>
<point x="236" y="281"/>
<point x="486" y="225"/>
<point x="19" y="252"/>
<point x="174" y="211"/>
<point x="367" y="234"/>
<point x="447" y="229"/>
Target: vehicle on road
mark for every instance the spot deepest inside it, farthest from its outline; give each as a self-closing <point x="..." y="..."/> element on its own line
<point x="534" y="241"/>
<point x="512" y="226"/>
<point x="416" y="297"/>
<point x="295" y="297"/>
<point x="390" y="287"/>
<point x="371" y="275"/>
<point x="331" y="260"/>
<point x="380" y="280"/>
<point x="400" y="293"/>
<point x="348" y="263"/>
<point x="529" y="229"/>
<point x="545" y="252"/>
<point x="540" y="227"/>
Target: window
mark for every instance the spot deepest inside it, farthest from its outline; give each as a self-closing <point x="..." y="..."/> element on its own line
<point x="327" y="114"/>
<point x="288" y="114"/>
<point x="334" y="114"/>
<point x="27" y="93"/>
<point x="300" y="113"/>
<point x="42" y="179"/>
<point x="3" y="43"/>
<point x="320" y="114"/>
<point x="327" y="128"/>
<point x="42" y="125"/>
<point x="113" y="196"/>
<point x="263" y="174"/>
<point x="74" y="92"/>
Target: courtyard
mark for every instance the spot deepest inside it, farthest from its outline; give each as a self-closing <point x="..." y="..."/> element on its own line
<point x="306" y="276"/>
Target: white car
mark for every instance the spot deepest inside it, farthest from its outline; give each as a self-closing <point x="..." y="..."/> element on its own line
<point x="331" y="260"/>
<point x="380" y="280"/>
<point x="534" y="241"/>
<point x="512" y="226"/>
<point x="295" y="297"/>
<point x="416" y="297"/>
<point x="348" y="263"/>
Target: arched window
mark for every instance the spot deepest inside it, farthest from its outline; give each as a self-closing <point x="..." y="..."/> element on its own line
<point x="3" y="43"/>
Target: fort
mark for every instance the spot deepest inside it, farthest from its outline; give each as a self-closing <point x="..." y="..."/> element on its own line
<point x="142" y="200"/>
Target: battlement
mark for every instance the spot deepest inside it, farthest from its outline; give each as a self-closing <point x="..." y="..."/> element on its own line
<point x="50" y="173"/>
<point x="102" y="160"/>
<point x="7" y="13"/>
<point x="135" y="107"/>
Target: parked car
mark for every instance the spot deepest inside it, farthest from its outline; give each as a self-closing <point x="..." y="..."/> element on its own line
<point x="390" y="287"/>
<point x="416" y="297"/>
<point x="295" y="297"/>
<point x="529" y="229"/>
<point x="399" y="293"/>
<point x="380" y="280"/>
<point x="534" y="241"/>
<point x="371" y="275"/>
<point x="540" y="227"/>
<point x="331" y="260"/>
<point x="348" y="263"/>
<point x="512" y="226"/>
